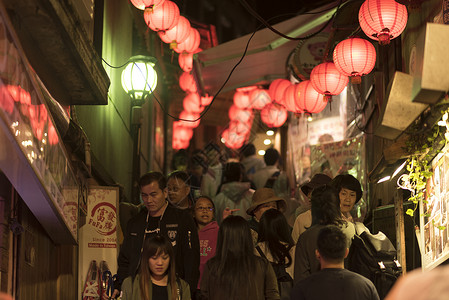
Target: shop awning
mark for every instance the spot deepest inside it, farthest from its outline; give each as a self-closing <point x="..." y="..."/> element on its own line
<point x="266" y="56"/>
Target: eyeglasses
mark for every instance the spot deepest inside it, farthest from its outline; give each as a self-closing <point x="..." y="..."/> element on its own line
<point x="205" y="208"/>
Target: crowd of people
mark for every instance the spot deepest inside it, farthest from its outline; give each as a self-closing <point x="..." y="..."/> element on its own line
<point x="228" y="237"/>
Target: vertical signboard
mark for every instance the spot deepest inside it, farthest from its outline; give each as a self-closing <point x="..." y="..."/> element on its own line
<point x="98" y="240"/>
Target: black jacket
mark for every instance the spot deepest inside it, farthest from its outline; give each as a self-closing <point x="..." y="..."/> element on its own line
<point x="176" y="225"/>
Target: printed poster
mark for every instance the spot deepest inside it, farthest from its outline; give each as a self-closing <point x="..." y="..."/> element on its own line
<point x="98" y="235"/>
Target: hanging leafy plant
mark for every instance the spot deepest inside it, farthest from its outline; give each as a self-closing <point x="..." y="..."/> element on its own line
<point x="423" y="147"/>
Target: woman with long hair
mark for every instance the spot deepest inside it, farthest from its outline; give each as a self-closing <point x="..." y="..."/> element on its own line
<point x="325" y="211"/>
<point x="235" y="272"/>
<point x="276" y="245"/>
<point x="156" y="278"/>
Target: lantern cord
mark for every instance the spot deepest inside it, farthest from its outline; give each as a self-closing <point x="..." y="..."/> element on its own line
<point x="114" y="67"/>
<point x="257" y="16"/>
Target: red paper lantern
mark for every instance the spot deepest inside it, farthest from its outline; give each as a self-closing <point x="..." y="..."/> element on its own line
<point x="327" y="80"/>
<point x="206" y="100"/>
<point x="192" y="103"/>
<point x="382" y="20"/>
<point x="162" y="17"/>
<point x="242" y="115"/>
<point x="277" y="89"/>
<point x="241" y="100"/>
<point x="180" y="144"/>
<point x="181" y="132"/>
<point x="177" y="34"/>
<point x="291" y="96"/>
<point x="189" y="119"/>
<point x="246" y="89"/>
<point x="232" y="139"/>
<point x="142" y="4"/>
<point x="354" y="57"/>
<point x="185" y="61"/>
<point x="242" y="128"/>
<point x="309" y="100"/>
<point x="53" y="137"/>
<point x="191" y="43"/>
<point x="187" y="82"/>
<point x="259" y="98"/>
<point x="274" y="115"/>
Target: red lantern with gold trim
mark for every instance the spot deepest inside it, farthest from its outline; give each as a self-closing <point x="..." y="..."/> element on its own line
<point x="142" y="4"/>
<point x="327" y="80"/>
<point x="382" y="20"/>
<point x="177" y="34"/>
<point x="162" y="17"/>
<point x="291" y="96"/>
<point x="191" y="43"/>
<point x="354" y="57"/>
<point x="259" y="98"/>
<point x="185" y="61"/>
<point x="277" y="89"/>
<point x="309" y="100"/>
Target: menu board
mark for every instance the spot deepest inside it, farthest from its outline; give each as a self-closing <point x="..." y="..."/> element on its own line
<point x="434" y="214"/>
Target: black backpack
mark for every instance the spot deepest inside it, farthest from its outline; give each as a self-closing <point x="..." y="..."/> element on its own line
<point x="374" y="257"/>
<point x="285" y="281"/>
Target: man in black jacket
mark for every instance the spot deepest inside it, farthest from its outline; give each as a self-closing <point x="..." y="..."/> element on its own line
<point x="159" y="217"/>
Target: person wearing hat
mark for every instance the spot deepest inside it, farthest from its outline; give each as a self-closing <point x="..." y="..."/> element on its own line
<point x="304" y="220"/>
<point x="263" y="199"/>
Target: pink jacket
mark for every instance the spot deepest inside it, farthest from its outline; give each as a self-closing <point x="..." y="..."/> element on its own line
<point x="208" y="244"/>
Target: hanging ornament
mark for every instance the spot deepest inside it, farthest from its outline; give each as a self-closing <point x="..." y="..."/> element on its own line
<point x="142" y="4"/>
<point x="309" y="100"/>
<point x="187" y="83"/>
<point x="232" y="139"/>
<point x="274" y="115"/>
<point x="162" y="17"/>
<point x="327" y="80"/>
<point x="181" y="132"/>
<point x="277" y="89"/>
<point x="191" y="43"/>
<point x="354" y="57"/>
<point x="185" y="61"/>
<point x="177" y="34"/>
<point x="259" y="98"/>
<point x="192" y="103"/>
<point x="382" y="20"/>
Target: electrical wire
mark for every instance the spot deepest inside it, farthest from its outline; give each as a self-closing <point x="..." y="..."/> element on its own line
<point x="258" y="17"/>
<point x="114" y="67"/>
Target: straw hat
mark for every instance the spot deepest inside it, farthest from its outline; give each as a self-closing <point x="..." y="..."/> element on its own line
<point x="265" y="195"/>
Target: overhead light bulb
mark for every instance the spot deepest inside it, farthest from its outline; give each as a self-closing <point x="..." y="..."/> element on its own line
<point x="399" y="169"/>
<point x="270" y="132"/>
<point x="267" y="142"/>
<point x="261" y="152"/>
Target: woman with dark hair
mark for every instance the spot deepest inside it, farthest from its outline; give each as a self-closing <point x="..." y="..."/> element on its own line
<point x="349" y="192"/>
<point x="325" y="211"/>
<point x="156" y="278"/>
<point x="276" y="245"/>
<point x="234" y="194"/>
<point x="178" y="188"/>
<point x="235" y="272"/>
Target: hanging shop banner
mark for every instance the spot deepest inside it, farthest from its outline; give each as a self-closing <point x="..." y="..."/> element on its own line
<point x="98" y="240"/>
<point x="343" y="157"/>
<point x="434" y="214"/>
<point x="32" y="154"/>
